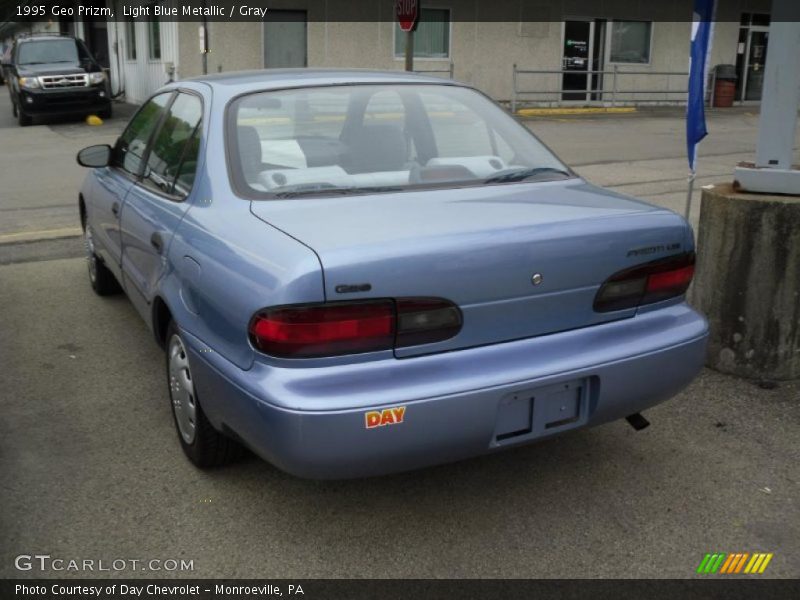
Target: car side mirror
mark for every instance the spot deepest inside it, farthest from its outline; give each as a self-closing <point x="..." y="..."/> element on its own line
<point x="95" y="157"/>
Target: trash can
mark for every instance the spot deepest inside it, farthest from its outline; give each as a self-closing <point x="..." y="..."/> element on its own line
<point x="724" y="85"/>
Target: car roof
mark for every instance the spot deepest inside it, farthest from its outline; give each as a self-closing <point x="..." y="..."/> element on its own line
<point x="266" y="79"/>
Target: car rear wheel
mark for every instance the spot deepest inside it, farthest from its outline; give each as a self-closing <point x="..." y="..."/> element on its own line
<point x="102" y="280"/>
<point x="203" y="445"/>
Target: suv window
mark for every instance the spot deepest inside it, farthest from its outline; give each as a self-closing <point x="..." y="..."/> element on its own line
<point x="172" y="153"/>
<point x="130" y="147"/>
<point x="37" y="52"/>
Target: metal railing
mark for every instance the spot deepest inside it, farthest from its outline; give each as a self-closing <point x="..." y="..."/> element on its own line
<point x="603" y="87"/>
<point x="448" y="70"/>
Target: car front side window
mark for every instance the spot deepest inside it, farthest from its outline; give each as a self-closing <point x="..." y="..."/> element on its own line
<point x="130" y="147"/>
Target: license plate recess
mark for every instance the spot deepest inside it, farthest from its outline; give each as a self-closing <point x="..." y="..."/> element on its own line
<point x="542" y="411"/>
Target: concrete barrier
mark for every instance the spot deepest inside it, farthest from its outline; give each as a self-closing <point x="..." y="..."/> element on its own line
<point x="748" y="282"/>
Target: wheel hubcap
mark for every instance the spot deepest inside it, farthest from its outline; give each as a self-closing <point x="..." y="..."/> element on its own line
<point x="91" y="258"/>
<point x="181" y="389"/>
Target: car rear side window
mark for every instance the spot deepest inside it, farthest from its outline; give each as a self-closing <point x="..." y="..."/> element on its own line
<point x="188" y="169"/>
<point x="131" y="145"/>
<point x="173" y="153"/>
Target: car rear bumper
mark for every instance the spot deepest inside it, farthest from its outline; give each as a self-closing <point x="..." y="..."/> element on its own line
<point x="312" y="422"/>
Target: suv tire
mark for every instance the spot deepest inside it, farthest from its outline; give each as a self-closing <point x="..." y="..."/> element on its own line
<point x="23" y="119"/>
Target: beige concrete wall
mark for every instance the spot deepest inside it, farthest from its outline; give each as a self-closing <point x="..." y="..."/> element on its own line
<point x="483" y="52"/>
<point x="233" y="46"/>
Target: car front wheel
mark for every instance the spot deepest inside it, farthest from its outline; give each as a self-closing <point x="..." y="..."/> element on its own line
<point x="203" y="445"/>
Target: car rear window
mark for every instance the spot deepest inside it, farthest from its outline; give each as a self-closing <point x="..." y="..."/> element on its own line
<point x="362" y="138"/>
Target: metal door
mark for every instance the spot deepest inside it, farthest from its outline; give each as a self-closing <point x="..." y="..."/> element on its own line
<point x="578" y="39"/>
<point x="108" y="195"/>
<point x="153" y="209"/>
<point x="756" y="60"/>
<point x="112" y="183"/>
<point x="285" y="42"/>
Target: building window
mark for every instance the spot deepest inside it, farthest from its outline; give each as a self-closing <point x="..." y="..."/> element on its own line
<point x="431" y="37"/>
<point x="154" y="35"/>
<point x="630" y="42"/>
<point x="130" y="35"/>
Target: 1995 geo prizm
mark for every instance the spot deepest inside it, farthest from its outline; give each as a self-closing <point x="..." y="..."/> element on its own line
<point x="354" y="273"/>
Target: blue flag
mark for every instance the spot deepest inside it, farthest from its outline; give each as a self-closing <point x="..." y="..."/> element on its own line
<point x="702" y="23"/>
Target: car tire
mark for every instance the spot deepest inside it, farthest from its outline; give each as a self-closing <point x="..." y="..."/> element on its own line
<point x="107" y="113"/>
<point x="14" y="109"/>
<point x="100" y="277"/>
<point x="23" y="119"/>
<point x="201" y="442"/>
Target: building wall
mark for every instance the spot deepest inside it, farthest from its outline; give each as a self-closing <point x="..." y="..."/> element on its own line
<point x="140" y="77"/>
<point x="482" y="52"/>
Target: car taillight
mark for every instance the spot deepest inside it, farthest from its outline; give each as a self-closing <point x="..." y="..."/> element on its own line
<point x="647" y="283"/>
<point x="426" y="320"/>
<point x="333" y="329"/>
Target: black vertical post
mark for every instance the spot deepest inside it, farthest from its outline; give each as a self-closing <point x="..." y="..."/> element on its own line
<point x="205" y="41"/>
<point x="410" y="50"/>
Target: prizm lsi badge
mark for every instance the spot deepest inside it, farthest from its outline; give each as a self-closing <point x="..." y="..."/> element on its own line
<point x="353" y="288"/>
<point x="653" y="249"/>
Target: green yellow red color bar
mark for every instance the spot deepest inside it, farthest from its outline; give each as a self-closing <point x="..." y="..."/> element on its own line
<point x="735" y="562"/>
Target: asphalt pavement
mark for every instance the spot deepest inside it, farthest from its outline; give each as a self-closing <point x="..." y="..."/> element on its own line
<point x="92" y="468"/>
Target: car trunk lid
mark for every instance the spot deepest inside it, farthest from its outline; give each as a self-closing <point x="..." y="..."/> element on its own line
<point x="519" y="260"/>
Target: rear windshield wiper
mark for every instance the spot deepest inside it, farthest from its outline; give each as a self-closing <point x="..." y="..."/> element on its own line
<point x="522" y="174"/>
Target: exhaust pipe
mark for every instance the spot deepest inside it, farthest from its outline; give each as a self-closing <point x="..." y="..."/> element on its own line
<point x="637" y="421"/>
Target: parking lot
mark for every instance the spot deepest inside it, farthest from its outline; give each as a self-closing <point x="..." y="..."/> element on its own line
<point x="92" y="468"/>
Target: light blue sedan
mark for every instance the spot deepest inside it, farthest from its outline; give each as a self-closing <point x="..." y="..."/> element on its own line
<point x="354" y="273"/>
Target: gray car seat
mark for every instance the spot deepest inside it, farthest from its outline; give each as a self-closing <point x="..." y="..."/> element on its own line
<point x="380" y="147"/>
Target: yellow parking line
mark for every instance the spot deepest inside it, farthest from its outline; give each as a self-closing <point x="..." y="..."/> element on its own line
<point x="587" y="110"/>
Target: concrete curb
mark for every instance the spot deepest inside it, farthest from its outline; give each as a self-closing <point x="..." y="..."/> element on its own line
<point x="23" y="237"/>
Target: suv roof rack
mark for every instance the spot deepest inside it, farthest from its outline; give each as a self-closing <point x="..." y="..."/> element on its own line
<point x="28" y="35"/>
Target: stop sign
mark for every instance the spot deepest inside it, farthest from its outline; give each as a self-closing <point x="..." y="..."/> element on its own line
<point x="407" y="12"/>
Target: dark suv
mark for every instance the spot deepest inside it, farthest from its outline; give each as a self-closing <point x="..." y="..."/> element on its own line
<point x="55" y="75"/>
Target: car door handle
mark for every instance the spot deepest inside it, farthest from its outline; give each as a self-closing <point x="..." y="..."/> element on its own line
<point x="115" y="209"/>
<point x="156" y="242"/>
